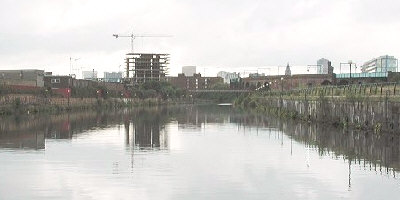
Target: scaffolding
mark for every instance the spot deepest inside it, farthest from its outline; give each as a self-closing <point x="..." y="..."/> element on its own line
<point x="142" y="67"/>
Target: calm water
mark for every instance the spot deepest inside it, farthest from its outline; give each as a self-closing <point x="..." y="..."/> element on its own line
<point x="192" y="152"/>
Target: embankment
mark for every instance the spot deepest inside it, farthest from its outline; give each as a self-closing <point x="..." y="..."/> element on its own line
<point x="374" y="113"/>
<point x="20" y="103"/>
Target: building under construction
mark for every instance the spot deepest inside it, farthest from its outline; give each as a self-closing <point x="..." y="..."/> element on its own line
<point x="142" y="67"/>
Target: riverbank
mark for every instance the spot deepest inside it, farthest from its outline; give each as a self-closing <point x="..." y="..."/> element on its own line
<point x="30" y="104"/>
<point x="377" y="113"/>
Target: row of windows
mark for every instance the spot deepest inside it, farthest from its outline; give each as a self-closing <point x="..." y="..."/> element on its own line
<point x="55" y="80"/>
<point x="362" y="75"/>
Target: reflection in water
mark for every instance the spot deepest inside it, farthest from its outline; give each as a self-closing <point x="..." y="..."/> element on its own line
<point x="217" y="147"/>
<point x="145" y="129"/>
<point x="370" y="150"/>
<point x="379" y="152"/>
<point x="22" y="132"/>
<point x="366" y="150"/>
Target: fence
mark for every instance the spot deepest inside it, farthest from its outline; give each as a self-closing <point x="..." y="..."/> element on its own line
<point x="13" y="99"/>
<point x="21" y="99"/>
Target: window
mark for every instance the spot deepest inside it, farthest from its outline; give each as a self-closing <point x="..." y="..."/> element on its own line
<point x="55" y="80"/>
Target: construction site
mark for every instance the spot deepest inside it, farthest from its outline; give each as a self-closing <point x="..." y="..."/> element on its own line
<point x="142" y="67"/>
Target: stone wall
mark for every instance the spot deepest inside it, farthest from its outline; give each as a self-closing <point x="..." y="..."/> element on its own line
<point x="382" y="113"/>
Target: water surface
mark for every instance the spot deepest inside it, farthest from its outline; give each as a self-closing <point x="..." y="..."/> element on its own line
<point x="191" y="152"/>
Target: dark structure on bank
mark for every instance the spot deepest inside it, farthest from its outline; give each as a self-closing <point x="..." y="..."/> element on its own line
<point x="195" y="82"/>
<point x="22" y="78"/>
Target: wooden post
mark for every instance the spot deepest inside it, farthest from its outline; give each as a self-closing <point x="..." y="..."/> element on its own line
<point x="305" y="95"/>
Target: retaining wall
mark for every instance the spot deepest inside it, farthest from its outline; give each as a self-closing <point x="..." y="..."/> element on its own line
<point x="382" y="113"/>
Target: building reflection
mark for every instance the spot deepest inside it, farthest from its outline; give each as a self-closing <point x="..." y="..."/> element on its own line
<point x="67" y="126"/>
<point x="195" y="117"/>
<point x="30" y="131"/>
<point x="145" y="128"/>
<point x="22" y="133"/>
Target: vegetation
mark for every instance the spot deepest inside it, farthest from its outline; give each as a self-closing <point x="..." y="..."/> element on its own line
<point x="320" y="100"/>
<point x="218" y="97"/>
<point x="246" y="100"/>
<point x="4" y="90"/>
<point x="155" y="89"/>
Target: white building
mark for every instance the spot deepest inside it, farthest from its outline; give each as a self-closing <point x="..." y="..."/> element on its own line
<point x="89" y="75"/>
<point x="228" y="76"/>
<point x="381" y="64"/>
<point x="115" y="77"/>
<point x="323" y="66"/>
<point x="188" y="70"/>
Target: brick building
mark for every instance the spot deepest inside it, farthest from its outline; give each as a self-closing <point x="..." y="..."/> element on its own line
<point x="195" y="82"/>
<point x="62" y="84"/>
<point x="288" y="82"/>
<point x="24" y="77"/>
<point x="67" y="82"/>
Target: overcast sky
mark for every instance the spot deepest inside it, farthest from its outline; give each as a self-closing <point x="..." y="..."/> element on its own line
<point x="214" y="35"/>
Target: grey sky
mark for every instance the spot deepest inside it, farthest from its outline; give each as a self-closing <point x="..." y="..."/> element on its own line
<point x="218" y="35"/>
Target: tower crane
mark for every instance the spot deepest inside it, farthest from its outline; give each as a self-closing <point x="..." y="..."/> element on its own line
<point x="133" y="37"/>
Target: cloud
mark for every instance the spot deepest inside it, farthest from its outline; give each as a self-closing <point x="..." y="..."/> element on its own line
<point x="229" y="34"/>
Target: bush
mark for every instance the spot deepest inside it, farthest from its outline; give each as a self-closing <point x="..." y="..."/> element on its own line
<point x="155" y="89"/>
<point x="17" y="103"/>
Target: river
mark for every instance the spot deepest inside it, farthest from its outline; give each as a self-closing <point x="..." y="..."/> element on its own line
<point x="191" y="152"/>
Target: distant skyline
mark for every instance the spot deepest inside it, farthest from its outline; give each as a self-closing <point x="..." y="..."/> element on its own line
<point x="212" y="35"/>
